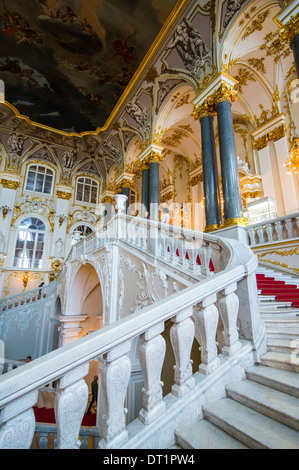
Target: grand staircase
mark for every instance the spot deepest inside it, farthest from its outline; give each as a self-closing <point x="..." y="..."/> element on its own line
<point x="262" y="411"/>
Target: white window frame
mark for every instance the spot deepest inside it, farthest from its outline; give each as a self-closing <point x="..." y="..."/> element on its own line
<point x="47" y="169"/>
<point x="93" y="183"/>
<point x="29" y="261"/>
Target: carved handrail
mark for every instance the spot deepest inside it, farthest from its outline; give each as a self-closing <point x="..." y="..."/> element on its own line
<point x="232" y="293"/>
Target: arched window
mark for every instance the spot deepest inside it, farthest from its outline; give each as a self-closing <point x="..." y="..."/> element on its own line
<point x="30" y="244"/>
<point x="87" y="190"/>
<point x="39" y="179"/>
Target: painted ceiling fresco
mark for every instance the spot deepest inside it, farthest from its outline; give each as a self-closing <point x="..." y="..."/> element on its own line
<point x="66" y="63"/>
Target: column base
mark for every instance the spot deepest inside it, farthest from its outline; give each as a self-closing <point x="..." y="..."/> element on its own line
<point x="236" y="232"/>
<point x="235" y="221"/>
<point x="212" y="228"/>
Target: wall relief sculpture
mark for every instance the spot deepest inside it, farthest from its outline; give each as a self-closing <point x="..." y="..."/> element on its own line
<point x="191" y="47"/>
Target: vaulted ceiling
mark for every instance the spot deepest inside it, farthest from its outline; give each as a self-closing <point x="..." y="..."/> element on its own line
<point x="66" y="63"/>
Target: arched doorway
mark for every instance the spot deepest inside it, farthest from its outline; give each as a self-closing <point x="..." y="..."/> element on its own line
<point x="85" y="299"/>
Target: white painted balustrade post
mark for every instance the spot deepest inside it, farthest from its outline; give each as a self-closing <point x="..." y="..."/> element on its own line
<point x="17" y="423"/>
<point x="70" y="405"/>
<point x="251" y="234"/>
<point x="269" y="230"/>
<point x="115" y="371"/>
<point x="151" y="356"/>
<point x="289" y="227"/>
<point x="206" y="321"/>
<point x="182" y="337"/>
<point x="205" y="257"/>
<point x="279" y="230"/>
<point x="260" y="233"/>
<point x="229" y="308"/>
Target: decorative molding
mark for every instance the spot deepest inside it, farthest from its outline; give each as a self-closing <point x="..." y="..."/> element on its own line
<point x="9" y="184"/>
<point x="63" y="195"/>
<point x="256" y="24"/>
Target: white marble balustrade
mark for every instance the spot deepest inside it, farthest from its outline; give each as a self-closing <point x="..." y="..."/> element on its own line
<point x="229" y="294"/>
<point x="268" y="231"/>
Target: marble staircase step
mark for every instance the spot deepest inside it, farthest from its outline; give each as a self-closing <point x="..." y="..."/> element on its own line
<point x="282" y="380"/>
<point x="267" y="401"/>
<point x="281" y="360"/>
<point x="282" y="345"/>
<point x="249" y="426"/>
<point x="205" y="435"/>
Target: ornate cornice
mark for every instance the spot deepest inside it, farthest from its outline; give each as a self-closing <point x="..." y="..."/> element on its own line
<point x="9" y="184"/>
<point x="63" y="195"/>
<point x="274" y="130"/>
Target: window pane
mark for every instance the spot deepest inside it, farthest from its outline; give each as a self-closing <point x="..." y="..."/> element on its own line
<point x="39" y="183"/>
<point x="30" y="243"/>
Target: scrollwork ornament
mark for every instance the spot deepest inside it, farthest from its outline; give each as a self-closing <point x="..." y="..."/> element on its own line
<point x="18" y="432"/>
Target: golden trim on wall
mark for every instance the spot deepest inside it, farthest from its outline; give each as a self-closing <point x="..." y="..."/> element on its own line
<point x="9" y="184"/>
<point x="63" y="195"/>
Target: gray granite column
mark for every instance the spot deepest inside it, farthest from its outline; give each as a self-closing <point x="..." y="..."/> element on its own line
<point x="154" y="190"/>
<point x="233" y="211"/>
<point x="210" y="174"/>
<point x="295" y="47"/>
<point x="126" y="192"/>
<point x="145" y="189"/>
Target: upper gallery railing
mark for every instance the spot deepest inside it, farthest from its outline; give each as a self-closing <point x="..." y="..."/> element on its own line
<point x="225" y="304"/>
<point x="180" y="248"/>
<point x="24" y="298"/>
<point x="268" y="231"/>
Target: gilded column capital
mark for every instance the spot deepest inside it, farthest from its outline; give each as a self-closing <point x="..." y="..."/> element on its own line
<point x="153" y="153"/>
<point x="154" y="157"/>
<point x="125" y="180"/>
<point x="144" y="165"/>
<point x="219" y="88"/>
<point x="207" y="108"/>
<point x="224" y="93"/>
<point x="289" y="30"/>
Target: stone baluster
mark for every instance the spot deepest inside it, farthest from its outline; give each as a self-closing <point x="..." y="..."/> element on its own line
<point x="192" y="253"/>
<point x="182" y="252"/>
<point x="115" y="371"/>
<point x="260" y="233"/>
<point x="70" y="405"/>
<point x="43" y="440"/>
<point x="151" y="356"/>
<point x="269" y="230"/>
<point x="206" y="321"/>
<point x="84" y="442"/>
<point x="229" y="308"/>
<point x="289" y="227"/>
<point x="17" y="423"/>
<point x="251" y="234"/>
<point x="182" y="336"/>
<point x="171" y="245"/>
<point x="164" y="245"/>
<point x="279" y="230"/>
<point x="205" y="257"/>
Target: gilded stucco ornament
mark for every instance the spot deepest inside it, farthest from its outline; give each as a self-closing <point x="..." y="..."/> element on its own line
<point x="290" y="29"/>
<point x="9" y="184"/>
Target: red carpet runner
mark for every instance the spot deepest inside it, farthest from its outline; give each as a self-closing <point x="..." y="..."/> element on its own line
<point x="47" y="415"/>
<point x="283" y="292"/>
